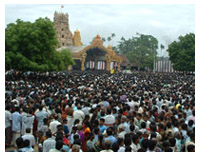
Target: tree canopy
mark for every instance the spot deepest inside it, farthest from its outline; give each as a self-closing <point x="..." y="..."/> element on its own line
<point x="182" y="53"/>
<point x="32" y="46"/>
<point x="140" y="49"/>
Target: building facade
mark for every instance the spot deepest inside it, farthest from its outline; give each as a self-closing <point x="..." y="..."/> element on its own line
<point x="91" y="57"/>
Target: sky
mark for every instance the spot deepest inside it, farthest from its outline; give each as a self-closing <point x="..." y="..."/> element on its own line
<point x="166" y="22"/>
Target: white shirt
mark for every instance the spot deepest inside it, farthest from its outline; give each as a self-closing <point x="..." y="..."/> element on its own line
<point x="49" y="144"/>
<point x="109" y="120"/>
<point x="29" y="137"/>
<point x="121" y="149"/>
<point x="28" y="121"/>
<point x="78" y="114"/>
<point x="40" y="115"/>
<point x="16" y="121"/>
<point x="8" y="118"/>
<point x="53" y="126"/>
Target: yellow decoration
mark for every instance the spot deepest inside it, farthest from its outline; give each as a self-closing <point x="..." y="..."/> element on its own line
<point x="77" y="39"/>
<point x="112" y="71"/>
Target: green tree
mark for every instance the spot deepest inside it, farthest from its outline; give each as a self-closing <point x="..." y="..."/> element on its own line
<point x="67" y="57"/>
<point x="182" y="53"/>
<point x="140" y="49"/>
<point x="32" y="46"/>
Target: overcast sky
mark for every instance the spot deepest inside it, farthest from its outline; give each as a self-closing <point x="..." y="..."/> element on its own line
<point x="165" y="22"/>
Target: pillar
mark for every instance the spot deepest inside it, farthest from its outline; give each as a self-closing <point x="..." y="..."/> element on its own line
<point x="108" y="63"/>
<point x="83" y="61"/>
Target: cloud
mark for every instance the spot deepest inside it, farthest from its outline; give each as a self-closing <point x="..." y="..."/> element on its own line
<point x="165" y="22"/>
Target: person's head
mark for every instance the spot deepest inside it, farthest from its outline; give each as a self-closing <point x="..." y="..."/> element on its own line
<point x="165" y="144"/>
<point x="123" y="119"/>
<point x="28" y="130"/>
<point x="143" y="125"/>
<point x="168" y="149"/>
<point x="135" y="139"/>
<point x="102" y="120"/>
<point x="8" y="107"/>
<point x="59" y="144"/>
<point x="107" y="145"/>
<point x="115" y="147"/>
<point x="26" y="143"/>
<point x="152" y="144"/>
<point x="76" y="136"/>
<point x="120" y="141"/>
<point x="172" y="142"/>
<point x="96" y="131"/>
<point x="145" y="143"/>
<point x="128" y="149"/>
<point x="132" y="128"/>
<point x="127" y="141"/>
<point x="20" y="142"/>
<point x="75" y="148"/>
<point x="191" y="148"/>
<point x="74" y="129"/>
<point x="190" y="123"/>
<point x="40" y="108"/>
<point x="77" y="141"/>
<point x="48" y="134"/>
<point x="109" y="131"/>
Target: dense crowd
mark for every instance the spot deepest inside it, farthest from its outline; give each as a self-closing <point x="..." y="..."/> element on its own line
<point x="99" y="112"/>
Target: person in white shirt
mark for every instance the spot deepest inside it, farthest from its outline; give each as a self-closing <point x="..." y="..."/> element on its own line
<point x="53" y="125"/>
<point x="8" y="119"/>
<point x="16" y="124"/>
<point x="40" y="115"/>
<point x="59" y="145"/>
<point x="29" y="120"/>
<point x="30" y="137"/>
<point x="79" y="114"/>
<point x="109" y="118"/>
<point x="49" y="143"/>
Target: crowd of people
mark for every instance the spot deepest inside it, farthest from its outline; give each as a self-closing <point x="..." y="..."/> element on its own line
<point x="99" y="112"/>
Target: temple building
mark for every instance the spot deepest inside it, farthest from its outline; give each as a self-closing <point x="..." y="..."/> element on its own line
<point x="91" y="57"/>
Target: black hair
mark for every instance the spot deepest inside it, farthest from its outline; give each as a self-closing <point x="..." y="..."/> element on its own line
<point x="127" y="141"/>
<point x="48" y="134"/>
<point x="120" y="140"/>
<point x="59" y="144"/>
<point x="172" y="142"/>
<point x="109" y="131"/>
<point x="190" y="148"/>
<point x="143" y="125"/>
<point x="128" y="149"/>
<point x="168" y="149"/>
<point x="28" y="130"/>
<point x="132" y="128"/>
<point x="20" y="142"/>
<point x="115" y="147"/>
<point x="26" y="143"/>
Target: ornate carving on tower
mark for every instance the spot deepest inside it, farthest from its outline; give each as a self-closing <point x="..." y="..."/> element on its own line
<point x="77" y="39"/>
<point x="97" y="41"/>
<point x="110" y="51"/>
<point x="61" y="24"/>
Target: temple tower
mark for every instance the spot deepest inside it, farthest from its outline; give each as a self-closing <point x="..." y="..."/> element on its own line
<point x="61" y="23"/>
<point x="77" y="39"/>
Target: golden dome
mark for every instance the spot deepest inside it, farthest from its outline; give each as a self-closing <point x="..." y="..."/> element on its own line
<point x="109" y="47"/>
<point x="77" y="31"/>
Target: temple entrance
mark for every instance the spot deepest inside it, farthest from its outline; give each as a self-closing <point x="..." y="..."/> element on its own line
<point x="95" y="59"/>
<point x="77" y="65"/>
